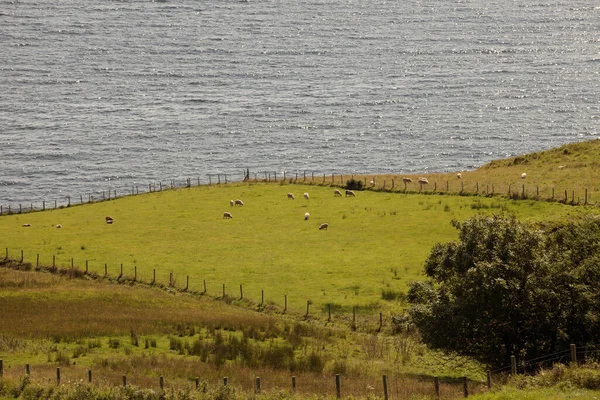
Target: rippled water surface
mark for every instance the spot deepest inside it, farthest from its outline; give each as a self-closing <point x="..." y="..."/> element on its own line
<point x="108" y="94"/>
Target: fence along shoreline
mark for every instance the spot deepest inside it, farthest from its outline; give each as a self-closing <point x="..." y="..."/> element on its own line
<point x="375" y="183"/>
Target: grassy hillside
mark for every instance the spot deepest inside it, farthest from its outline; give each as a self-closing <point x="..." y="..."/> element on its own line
<point x="375" y="245"/>
<point x="570" y="169"/>
<point x="376" y="241"/>
<point x="51" y="321"/>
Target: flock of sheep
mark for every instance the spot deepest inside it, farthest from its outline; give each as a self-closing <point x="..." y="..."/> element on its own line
<point x="290" y="196"/>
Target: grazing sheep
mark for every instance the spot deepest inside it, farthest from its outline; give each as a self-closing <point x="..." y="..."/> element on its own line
<point x="59" y="226"/>
<point x="324" y="226"/>
<point x="26" y="225"/>
<point x="337" y="193"/>
<point x="372" y="183"/>
<point x="238" y="202"/>
<point x="423" y="181"/>
<point x="350" y="193"/>
<point x="306" y="196"/>
<point x="227" y="215"/>
<point x="306" y="216"/>
<point x="561" y="166"/>
<point x="109" y="220"/>
<point x="523" y="175"/>
<point x="291" y="196"/>
<point x="406" y="180"/>
<point x="231" y="203"/>
<point x="459" y="175"/>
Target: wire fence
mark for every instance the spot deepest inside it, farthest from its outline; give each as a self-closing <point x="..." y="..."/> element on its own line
<point x="359" y="182"/>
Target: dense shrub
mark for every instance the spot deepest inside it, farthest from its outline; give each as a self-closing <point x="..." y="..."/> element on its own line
<point x="506" y="288"/>
<point x="353" y="184"/>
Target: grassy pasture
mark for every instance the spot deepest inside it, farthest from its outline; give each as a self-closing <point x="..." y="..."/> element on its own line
<point x="377" y="241"/>
<point x="54" y="321"/>
<point x="571" y="168"/>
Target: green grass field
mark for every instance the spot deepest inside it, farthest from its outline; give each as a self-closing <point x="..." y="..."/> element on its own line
<point x="375" y="245"/>
<point x="376" y="241"/>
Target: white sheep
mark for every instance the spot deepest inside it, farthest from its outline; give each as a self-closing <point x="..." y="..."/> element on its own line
<point x="324" y="226"/>
<point x="459" y="175"/>
<point x="350" y="193"/>
<point x="372" y="183"/>
<point x="423" y="181"/>
<point x="336" y="192"/>
<point x="227" y="215"/>
<point x="238" y="202"/>
<point x="523" y="175"/>
<point x="109" y="220"/>
<point x="26" y="225"/>
<point x="59" y="226"/>
<point x="231" y="203"/>
<point x="406" y="180"/>
<point x="306" y="196"/>
<point x="306" y="216"/>
<point x="290" y="196"/>
<point x="561" y="167"/>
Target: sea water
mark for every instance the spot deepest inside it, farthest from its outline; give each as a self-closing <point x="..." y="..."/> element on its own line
<point x="107" y="95"/>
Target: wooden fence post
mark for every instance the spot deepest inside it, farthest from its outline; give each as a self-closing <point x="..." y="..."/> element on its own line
<point x="489" y="379"/>
<point x="241" y="293"/>
<point x="293" y="383"/>
<point x="465" y="386"/>
<point x="223" y="290"/>
<point x="187" y="282"/>
<point x="27" y="369"/>
<point x="135" y="273"/>
<point x="204" y="285"/>
<point x="284" y="302"/>
<point x="1" y="369"/>
<point x="37" y="260"/>
<point x="198" y="379"/>
<point x="573" y="351"/>
<point x="105" y="269"/>
<point x="262" y="297"/>
<point x="338" y="386"/>
<point x="436" y="386"/>
<point x="54" y="261"/>
<point x="329" y="308"/>
<point x="225" y="381"/>
<point x="257" y="384"/>
<point x="86" y="267"/>
<point x="161" y="382"/>
<point x="385" y="388"/>
<point x="21" y="255"/>
<point x="124" y="380"/>
<point x="89" y="376"/>
<point x="58" y="376"/>
<point x="513" y="365"/>
<point x="307" y="307"/>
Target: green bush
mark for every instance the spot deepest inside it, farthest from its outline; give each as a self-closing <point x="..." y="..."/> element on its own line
<point x="353" y="184"/>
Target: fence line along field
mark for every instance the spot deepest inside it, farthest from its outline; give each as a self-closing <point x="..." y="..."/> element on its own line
<point x="374" y="246"/>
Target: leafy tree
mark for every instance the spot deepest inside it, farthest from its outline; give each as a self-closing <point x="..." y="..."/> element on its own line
<point x="507" y="288"/>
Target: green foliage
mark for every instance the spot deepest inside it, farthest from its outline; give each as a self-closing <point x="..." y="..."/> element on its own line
<point x="506" y="288"/>
<point x="353" y="184"/>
